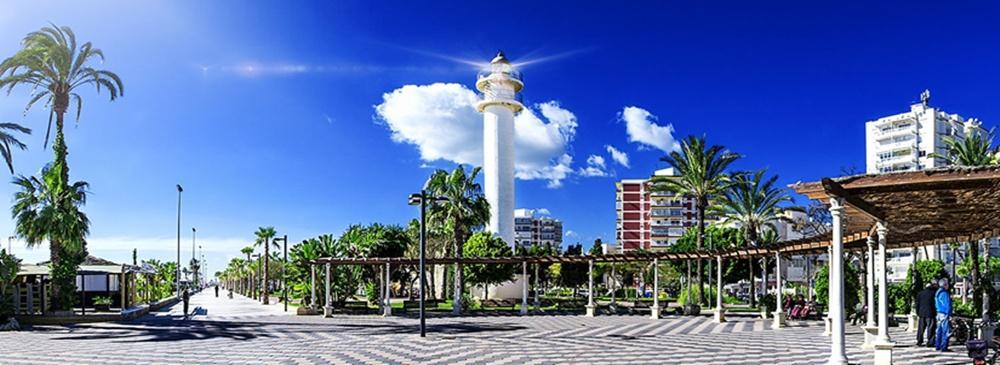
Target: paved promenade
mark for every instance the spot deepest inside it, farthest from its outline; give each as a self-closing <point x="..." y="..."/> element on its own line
<point x="242" y="331"/>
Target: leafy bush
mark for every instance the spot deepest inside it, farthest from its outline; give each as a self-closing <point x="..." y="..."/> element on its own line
<point x="726" y="299"/>
<point x="768" y="302"/>
<point x="852" y="288"/>
<point x="9" y="266"/>
<point x="102" y="301"/>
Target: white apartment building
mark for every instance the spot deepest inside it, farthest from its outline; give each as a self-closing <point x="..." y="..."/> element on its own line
<point x="531" y="229"/>
<point x="906" y="142"/>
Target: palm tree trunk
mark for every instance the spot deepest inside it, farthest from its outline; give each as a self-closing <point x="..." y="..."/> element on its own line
<point x="701" y="243"/>
<point x="267" y="263"/>
<point x="57" y="301"/>
<point x="753" y="291"/>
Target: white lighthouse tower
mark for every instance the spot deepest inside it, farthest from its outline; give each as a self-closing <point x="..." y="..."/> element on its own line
<point x="499" y="85"/>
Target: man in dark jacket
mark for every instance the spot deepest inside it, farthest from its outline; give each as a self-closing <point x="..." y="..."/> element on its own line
<point x="926" y="311"/>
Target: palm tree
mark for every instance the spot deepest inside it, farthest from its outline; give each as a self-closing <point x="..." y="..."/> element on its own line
<point x="975" y="150"/>
<point x="753" y="203"/>
<point x="701" y="173"/>
<point x="465" y="208"/>
<point x="46" y="210"/>
<point x="264" y="236"/>
<point x="50" y="63"/>
<point x="248" y="251"/>
<point x="7" y="140"/>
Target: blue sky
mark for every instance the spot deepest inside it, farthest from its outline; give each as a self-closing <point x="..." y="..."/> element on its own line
<point x="268" y="112"/>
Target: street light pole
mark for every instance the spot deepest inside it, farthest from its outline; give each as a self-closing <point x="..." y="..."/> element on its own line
<point x="178" y="278"/>
<point x="284" y="278"/>
<point x="194" y="256"/>
<point x="421" y="199"/>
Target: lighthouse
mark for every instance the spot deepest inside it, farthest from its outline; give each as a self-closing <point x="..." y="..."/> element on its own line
<point x="499" y="88"/>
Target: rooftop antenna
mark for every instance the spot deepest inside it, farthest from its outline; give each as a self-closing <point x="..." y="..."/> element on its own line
<point x="925" y="97"/>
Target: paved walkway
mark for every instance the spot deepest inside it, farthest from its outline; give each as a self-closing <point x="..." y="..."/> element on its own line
<point x="241" y="331"/>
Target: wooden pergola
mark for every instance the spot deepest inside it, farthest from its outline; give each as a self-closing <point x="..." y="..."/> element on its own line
<point x="894" y="210"/>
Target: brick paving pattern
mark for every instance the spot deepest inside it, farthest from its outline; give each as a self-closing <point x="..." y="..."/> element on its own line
<point x="241" y="331"/>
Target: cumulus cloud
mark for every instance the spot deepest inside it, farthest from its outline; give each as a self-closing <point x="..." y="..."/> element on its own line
<point x="641" y="127"/>
<point x="596" y="167"/>
<point x="618" y="156"/>
<point x="441" y="121"/>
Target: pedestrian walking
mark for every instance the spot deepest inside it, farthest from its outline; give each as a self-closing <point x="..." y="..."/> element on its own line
<point x="926" y="310"/>
<point x="942" y="302"/>
<point x="186" y="296"/>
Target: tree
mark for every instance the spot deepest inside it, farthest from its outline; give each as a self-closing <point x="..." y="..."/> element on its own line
<point x="7" y="140"/>
<point x="573" y="275"/>
<point x="702" y="176"/>
<point x="264" y="236"/>
<point x="486" y="244"/>
<point x="753" y="203"/>
<point x="465" y="209"/>
<point x="50" y="63"/>
<point x="45" y="210"/>
<point x="9" y="266"/>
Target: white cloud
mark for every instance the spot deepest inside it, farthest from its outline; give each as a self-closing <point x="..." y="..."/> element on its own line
<point x="441" y="121"/>
<point x="571" y="233"/>
<point x="596" y="167"/>
<point x="641" y="127"/>
<point x="618" y="156"/>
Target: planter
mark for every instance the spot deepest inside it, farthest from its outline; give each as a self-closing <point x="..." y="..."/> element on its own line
<point x="103" y="307"/>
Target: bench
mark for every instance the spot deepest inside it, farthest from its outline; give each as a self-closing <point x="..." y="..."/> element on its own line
<point x="499" y="303"/>
<point x="354" y="307"/>
<point x="415" y="304"/>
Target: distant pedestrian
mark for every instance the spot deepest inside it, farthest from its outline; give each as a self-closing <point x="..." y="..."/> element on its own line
<point x="186" y="296"/>
<point x="216" y="291"/>
<point x="942" y="302"/>
<point x="926" y="310"/>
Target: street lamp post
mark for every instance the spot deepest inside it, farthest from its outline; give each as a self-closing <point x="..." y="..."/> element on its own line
<point x="421" y="199"/>
<point x="178" y="278"/>
<point x="284" y="278"/>
<point x="194" y="256"/>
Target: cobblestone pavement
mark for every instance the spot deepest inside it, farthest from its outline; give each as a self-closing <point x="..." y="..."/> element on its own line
<point x="241" y="331"/>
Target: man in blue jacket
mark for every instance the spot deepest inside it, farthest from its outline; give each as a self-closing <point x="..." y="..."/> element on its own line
<point x="942" y="302"/>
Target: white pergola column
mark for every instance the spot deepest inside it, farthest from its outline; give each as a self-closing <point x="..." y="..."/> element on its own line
<point x="779" y="313"/>
<point x="883" y="345"/>
<point x="838" y="353"/>
<point x="870" y="329"/>
<point x="828" y="328"/>
<point x="524" y="288"/>
<point x="911" y="318"/>
<point x="763" y="286"/>
<point x="328" y="307"/>
<point x="720" y="311"/>
<point x="386" y="302"/>
<point x="312" y="286"/>
<point x="538" y="303"/>
<point x="591" y="309"/>
<point x="654" y="311"/>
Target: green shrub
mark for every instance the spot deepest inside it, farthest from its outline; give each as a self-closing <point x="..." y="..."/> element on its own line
<point x="102" y="301"/>
<point x="726" y="299"/>
<point x="768" y="301"/>
<point x="852" y="288"/>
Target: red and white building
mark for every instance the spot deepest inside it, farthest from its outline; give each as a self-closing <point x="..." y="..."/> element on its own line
<point x="650" y="220"/>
